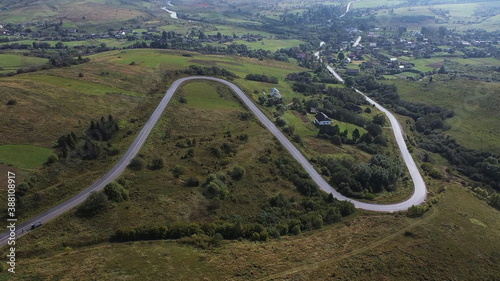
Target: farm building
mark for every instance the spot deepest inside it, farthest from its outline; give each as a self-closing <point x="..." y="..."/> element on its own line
<point x="275" y="93"/>
<point x="322" y="119"/>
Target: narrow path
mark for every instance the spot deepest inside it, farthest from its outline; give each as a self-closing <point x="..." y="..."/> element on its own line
<point x="417" y="198"/>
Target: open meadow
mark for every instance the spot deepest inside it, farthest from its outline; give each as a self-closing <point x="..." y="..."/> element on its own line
<point x="11" y="62"/>
<point x="475" y="124"/>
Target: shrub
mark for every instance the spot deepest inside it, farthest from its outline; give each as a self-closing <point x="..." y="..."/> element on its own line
<point x="52" y="159"/>
<point x="156" y="164"/>
<point x="237" y="173"/>
<point x="494" y="200"/>
<point x="116" y="192"/>
<point x="96" y="203"/>
<point x="417" y="211"/>
<point x="137" y="164"/>
<point x="192" y="182"/>
<point x="255" y="236"/>
<point x="178" y="171"/>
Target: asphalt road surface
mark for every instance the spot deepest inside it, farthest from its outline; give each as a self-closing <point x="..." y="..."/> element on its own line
<point x="417" y="198"/>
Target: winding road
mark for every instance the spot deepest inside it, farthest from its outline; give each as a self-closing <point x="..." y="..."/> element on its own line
<point x="418" y="196"/>
<point x="348" y="7"/>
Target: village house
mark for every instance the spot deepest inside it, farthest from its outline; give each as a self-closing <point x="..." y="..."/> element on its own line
<point x="352" y="72"/>
<point x="322" y="119"/>
<point x="275" y="93"/>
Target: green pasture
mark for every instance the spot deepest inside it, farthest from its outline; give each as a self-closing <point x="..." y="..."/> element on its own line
<point x="205" y="95"/>
<point x="475" y="124"/>
<point x="478" y="61"/>
<point x="24" y="156"/>
<point x="271" y="44"/>
<point x="238" y="30"/>
<point x="266" y="44"/>
<point x="10" y="62"/>
<point x="378" y="3"/>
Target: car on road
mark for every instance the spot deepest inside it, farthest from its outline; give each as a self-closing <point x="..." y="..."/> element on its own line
<point x="35" y="225"/>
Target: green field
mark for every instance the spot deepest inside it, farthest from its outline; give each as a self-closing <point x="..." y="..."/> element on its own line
<point x="269" y="44"/>
<point x="378" y="3"/>
<point x="174" y="60"/>
<point x="11" y="62"/>
<point x="206" y="95"/>
<point x="462" y="16"/>
<point x="24" y="156"/>
<point x="475" y="124"/>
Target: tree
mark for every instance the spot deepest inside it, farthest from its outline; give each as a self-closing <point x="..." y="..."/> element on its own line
<point x="137" y="164"/>
<point x="96" y="203"/>
<point x="349" y="82"/>
<point x="355" y="134"/>
<point x="237" y="173"/>
<point x="157" y="164"/>
<point x="379" y="119"/>
<point x="442" y="70"/>
<point x="116" y="192"/>
<point x="216" y="240"/>
<point x="280" y="122"/>
<point x="296" y="229"/>
<point x="178" y="171"/>
<point x="341" y="56"/>
<point x="337" y="140"/>
<point x="494" y="200"/>
<point x="192" y="182"/>
<point x="52" y="159"/>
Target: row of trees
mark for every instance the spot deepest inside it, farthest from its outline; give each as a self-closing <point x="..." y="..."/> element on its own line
<point x="262" y="78"/>
<point x="210" y="71"/>
<point x="281" y="216"/>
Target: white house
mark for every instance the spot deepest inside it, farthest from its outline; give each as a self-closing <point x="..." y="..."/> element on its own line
<point x="275" y="93"/>
<point x="322" y="119"/>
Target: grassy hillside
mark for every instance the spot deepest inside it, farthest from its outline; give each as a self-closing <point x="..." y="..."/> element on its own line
<point x="161" y="196"/>
<point x="475" y="124"/>
<point x="11" y="62"/>
<point x="77" y="12"/>
<point x="456" y="238"/>
<point x="128" y="85"/>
